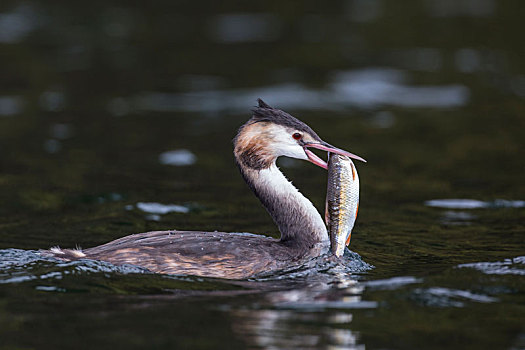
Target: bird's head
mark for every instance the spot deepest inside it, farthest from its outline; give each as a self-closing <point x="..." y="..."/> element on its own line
<point x="272" y="133"/>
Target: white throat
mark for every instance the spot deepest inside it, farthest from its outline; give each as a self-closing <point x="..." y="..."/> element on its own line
<point x="297" y="218"/>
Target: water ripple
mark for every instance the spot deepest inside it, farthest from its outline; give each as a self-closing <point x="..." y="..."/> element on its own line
<point x="18" y="265"/>
<point x="178" y="157"/>
<point x="474" y="204"/>
<point x="326" y="267"/>
<point x="514" y="266"/>
<point x="11" y="105"/>
<point x="392" y="283"/>
<point x="158" y="208"/>
<point x="326" y="305"/>
<point x="366" y="88"/>
<point x="445" y="297"/>
<point x="17" y="24"/>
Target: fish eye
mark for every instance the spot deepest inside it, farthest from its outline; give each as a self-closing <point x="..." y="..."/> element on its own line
<point x="297" y="136"/>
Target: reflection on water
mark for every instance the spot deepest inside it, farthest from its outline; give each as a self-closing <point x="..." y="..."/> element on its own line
<point x="17" y="24"/>
<point x="283" y="329"/>
<point x="518" y="85"/>
<point x="158" y="208"/>
<point x="421" y="58"/>
<point x="362" y="11"/>
<point x="61" y="131"/>
<point x="52" y="146"/>
<point x="119" y="106"/>
<point x="10" y="105"/>
<point x="52" y="101"/>
<point x="368" y="88"/>
<point x="178" y="157"/>
<point x="514" y="266"/>
<point x="474" y="204"/>
<point x="235" y="28"/>
<point x="307" y="316"/>
<point x="58" y="132"/>
<point x="383" y="119"/>
<point x="155" y="210"/>
<point x="467" y="60"/>
<point x="445" y="297"/>
<point x="376" y="87"/>
<point x="450" y="217"/>
<point x="453" y="8"/>
<point x="392" y="283"/>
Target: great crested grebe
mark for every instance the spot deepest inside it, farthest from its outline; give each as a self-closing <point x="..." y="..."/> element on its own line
<point x="269" y="134"/>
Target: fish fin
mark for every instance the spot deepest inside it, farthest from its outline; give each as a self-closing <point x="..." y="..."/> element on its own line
<point x="350" y="234"/>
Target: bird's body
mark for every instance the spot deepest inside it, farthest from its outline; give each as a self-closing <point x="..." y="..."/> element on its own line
<point x="210" y="254"/>
<point x="270" y="133"/>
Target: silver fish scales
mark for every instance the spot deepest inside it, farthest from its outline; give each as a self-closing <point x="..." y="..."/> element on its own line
<point x="342" y="201"/>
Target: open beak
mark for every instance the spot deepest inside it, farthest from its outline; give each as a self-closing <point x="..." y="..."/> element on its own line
<point x="312" y="157"/>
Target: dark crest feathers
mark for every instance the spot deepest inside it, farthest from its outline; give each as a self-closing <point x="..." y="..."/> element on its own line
<point x="265" y="113"/>
<point x="262" y="104"/>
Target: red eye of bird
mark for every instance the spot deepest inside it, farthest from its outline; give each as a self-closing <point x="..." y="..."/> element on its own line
<point x="297" y="136"/>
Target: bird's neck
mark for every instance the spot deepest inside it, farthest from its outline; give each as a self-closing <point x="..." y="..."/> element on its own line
<point x="300" y="224"/>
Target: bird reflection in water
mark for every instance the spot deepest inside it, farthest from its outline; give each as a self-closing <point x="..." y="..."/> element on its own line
<point x="317" y="316"/>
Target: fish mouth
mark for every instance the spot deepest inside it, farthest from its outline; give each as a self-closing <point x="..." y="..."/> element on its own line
<point x="312" y="157"/>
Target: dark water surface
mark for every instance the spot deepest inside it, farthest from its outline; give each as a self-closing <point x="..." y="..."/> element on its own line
<point x="118" y="119"/>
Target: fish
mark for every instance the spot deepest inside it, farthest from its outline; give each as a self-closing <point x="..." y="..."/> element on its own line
<point x="342" y="201"/>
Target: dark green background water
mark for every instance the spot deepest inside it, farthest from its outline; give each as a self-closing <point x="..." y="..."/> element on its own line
<point x="430" y="92"/>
